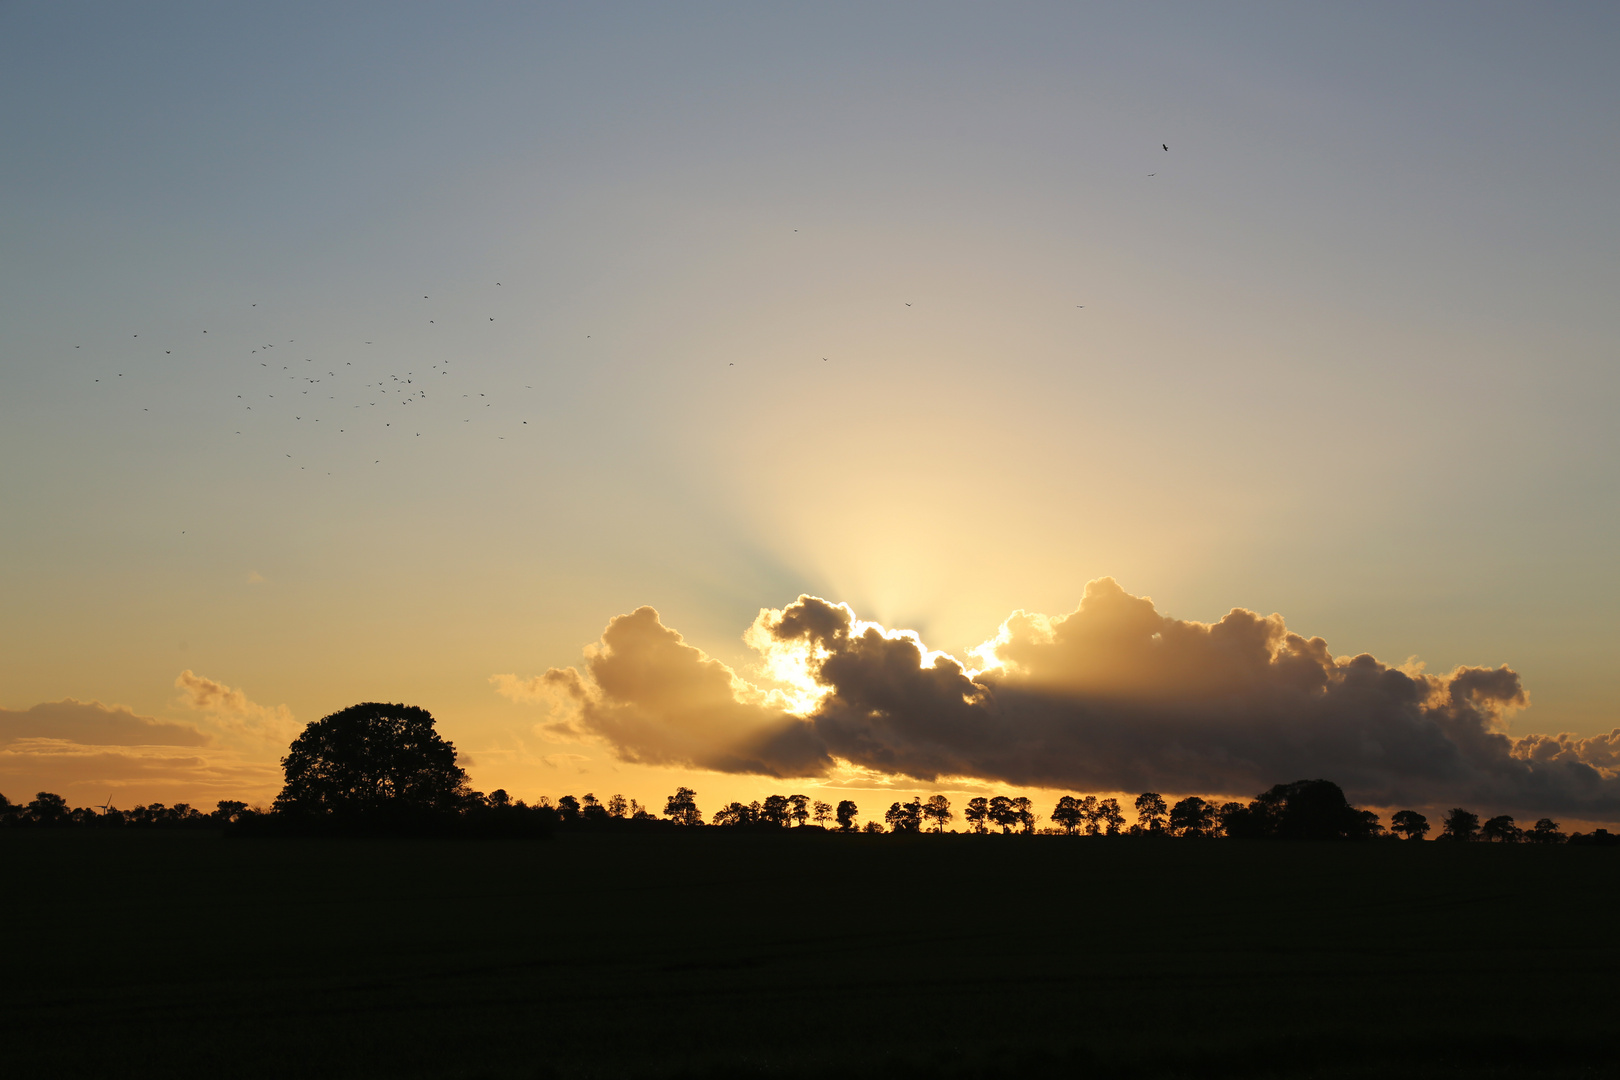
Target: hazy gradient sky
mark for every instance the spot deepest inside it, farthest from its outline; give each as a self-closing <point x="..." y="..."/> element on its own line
<point x="788" y="302"/>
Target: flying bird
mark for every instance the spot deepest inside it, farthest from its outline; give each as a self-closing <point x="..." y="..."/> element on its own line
<point x="1165" y="145"/>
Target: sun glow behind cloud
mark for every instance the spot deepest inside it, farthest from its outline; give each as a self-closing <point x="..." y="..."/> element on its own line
<point x="1112" y="696"/>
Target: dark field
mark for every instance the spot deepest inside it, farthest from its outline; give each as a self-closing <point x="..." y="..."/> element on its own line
<point x="714" y="953"/>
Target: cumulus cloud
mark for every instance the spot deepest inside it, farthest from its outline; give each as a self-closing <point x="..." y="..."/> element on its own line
<point x="660" y="701"/>
<point x="1112" y="696"/>
<point x="231" y="710"/>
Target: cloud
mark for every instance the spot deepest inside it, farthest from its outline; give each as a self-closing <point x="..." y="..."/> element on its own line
<point x="660" y="701"/>
<point x="231" y="710"/>
<point x="1112" y="696"/>
<point x="84" y="749"/>
<point x="94" y="723"/>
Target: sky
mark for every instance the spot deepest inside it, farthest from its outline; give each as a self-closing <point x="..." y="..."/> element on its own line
<point x="390" y="352"/>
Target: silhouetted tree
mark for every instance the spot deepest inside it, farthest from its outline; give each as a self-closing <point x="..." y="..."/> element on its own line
<point x="372" y="759"/>
<point x="846" y="815"/>
<point x="1544" y="831"/>
<point x="1024" y="814"/>
<point x="775" y="811"/>
<point x="1002" y="813"/>
<point x="498" y="799"/>
<point x="1150" y="812"/>
<point x="568" y="809"/>
<point x="618" y="806"/>
<point x="1234" y="819"/>
<point x="1370" y="825"/>
<point x="938" y="810"/>
<point x="1460" y="825"/>
<point x="823" y="813"/>
<point x="682" y="809"/>
<point x="48" y="809"/>
<point x="1090" y="813"/>
<point x="905" y="817"/>
<point x="1067" y="814"/>
<point x="1110" y="816"/>
<point x="1501" y="830"/>
<point x="1409" y="824"/>
<point x="1192" y="817"/>
<point x="977" y="813"/>
<point x="799" y="809"/>
<point x="872" y="827"/>
<point x="592" y="810"/>
<point x="1303" y="810"/>
<point x="735" y="813"/>
<point x="229" y="810"/>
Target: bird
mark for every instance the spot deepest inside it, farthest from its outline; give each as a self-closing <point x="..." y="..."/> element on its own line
<point x="1079" y="305"/>
<point x="1165" y="145"/>
<point x="908" y="305"/>
<point x="1153" y="174"/>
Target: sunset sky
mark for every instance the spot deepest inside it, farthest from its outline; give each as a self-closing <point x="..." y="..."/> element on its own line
<point x="387" y="352"/>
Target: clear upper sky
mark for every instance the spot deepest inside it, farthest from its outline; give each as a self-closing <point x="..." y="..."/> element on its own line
<point x="518" y="318"/>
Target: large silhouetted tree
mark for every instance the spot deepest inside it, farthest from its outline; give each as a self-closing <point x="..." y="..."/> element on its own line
<point x="682" y="807"/>
<point x="905" y="817"/>
<point x="1192" y="817"/>
<point x="1024" y="814"/>
<point x="1409" y="824"/>
<point x="1501" y="830"/>
<point x="372" y="759"/>
<point x="1150" y="812"/>
<point x="48" y="808"/>
<point x="1461" y="825"/>
<point x="799" y="811"/>
<point x="1067" y="814"/>
<point x="1110" y="816"/>
<point x="776" y="810"/>
<point x="1090" y="813"/>
<point x="846" y="815"/>
<point x="1002" y="812"/>
<point x="1544" y="831"/>
<point x="977" y="813"/>
<point x="938" y="810"/>
<point x="824" y="813"/>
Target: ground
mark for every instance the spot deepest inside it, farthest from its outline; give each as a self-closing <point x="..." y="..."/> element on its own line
<point x="710" y="953"/>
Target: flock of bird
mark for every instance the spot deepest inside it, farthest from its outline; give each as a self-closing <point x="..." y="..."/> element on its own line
<point x="301" y="393"/>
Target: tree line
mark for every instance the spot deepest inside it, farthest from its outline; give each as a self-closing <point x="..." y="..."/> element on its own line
<point x="1303" y="810"/>
<point x="378" y="767"/>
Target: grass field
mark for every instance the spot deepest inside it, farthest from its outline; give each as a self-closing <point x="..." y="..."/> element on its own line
<point x="717" y="953"/>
